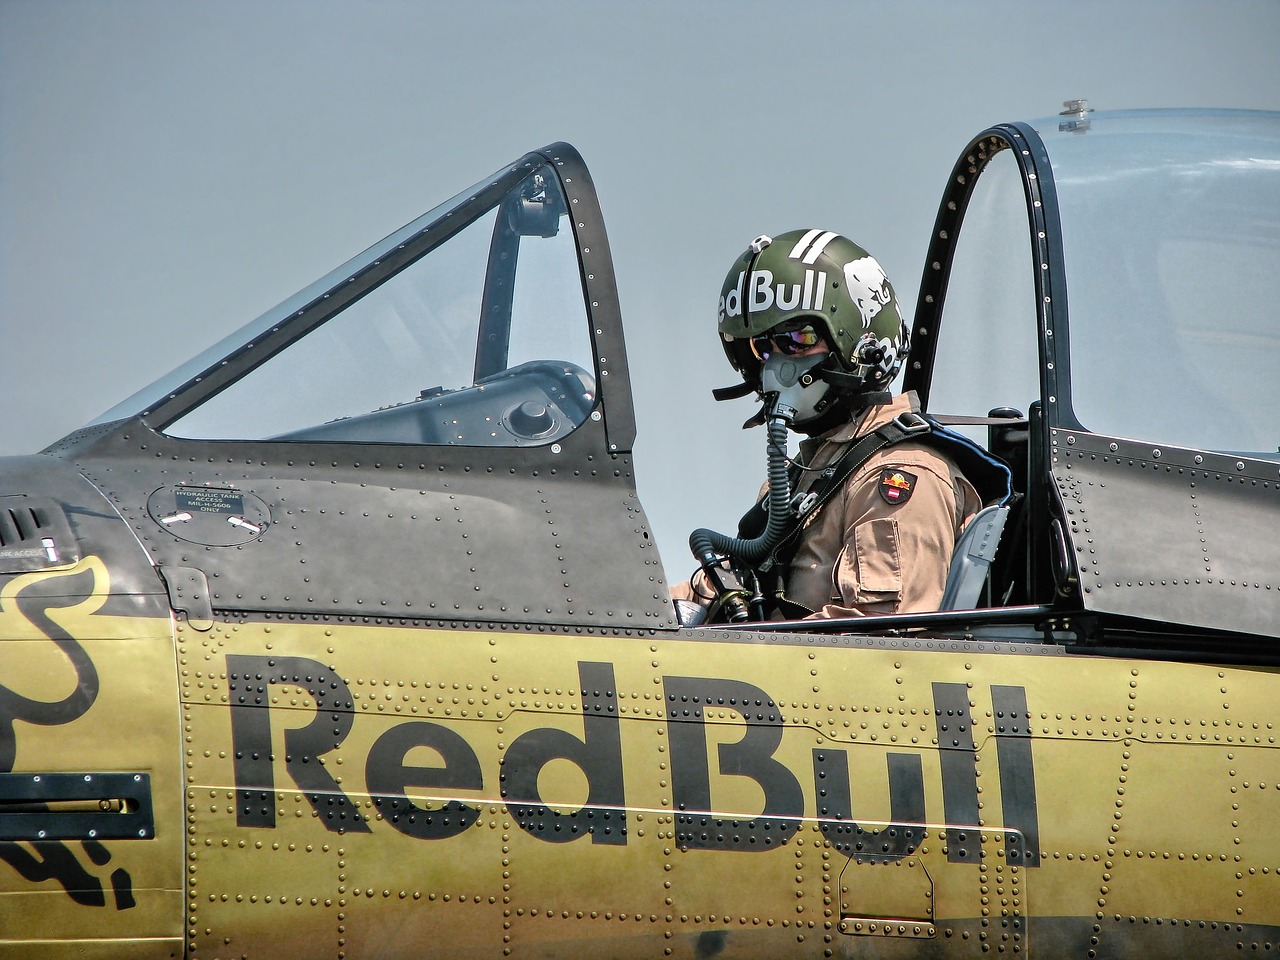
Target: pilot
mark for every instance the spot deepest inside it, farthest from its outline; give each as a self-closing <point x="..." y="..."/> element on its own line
<point x="864" y="519"/>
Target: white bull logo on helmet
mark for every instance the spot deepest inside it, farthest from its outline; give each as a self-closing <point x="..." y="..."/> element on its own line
<point x="868" y="287"/>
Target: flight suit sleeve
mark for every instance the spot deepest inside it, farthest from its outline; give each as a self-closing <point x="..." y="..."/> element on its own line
<point x="898" y="526"/>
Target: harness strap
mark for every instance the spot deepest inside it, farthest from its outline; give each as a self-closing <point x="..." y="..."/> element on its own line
<point x="903" y="427"/>
<point x="773" y="568"/>
<point x="989" y="476"/>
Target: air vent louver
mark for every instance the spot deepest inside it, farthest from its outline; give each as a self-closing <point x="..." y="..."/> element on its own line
<point x="34" y="535"/>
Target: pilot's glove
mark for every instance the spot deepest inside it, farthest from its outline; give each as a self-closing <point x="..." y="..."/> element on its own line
<point x="718" y="595"/>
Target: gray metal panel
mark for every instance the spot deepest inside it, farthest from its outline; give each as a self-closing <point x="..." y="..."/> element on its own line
<point x="550" y="534"/>
<point x="96" y="528"/>
<point x="1169" y="534"/>
<point x="34" y="535"/>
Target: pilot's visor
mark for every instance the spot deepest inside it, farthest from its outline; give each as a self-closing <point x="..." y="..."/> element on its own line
<point x="788" y="342"/>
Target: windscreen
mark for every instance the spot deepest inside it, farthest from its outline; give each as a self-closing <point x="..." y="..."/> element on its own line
<point x="482" y="341"/>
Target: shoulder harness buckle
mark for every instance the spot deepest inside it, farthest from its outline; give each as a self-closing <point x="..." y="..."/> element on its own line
<point x="911" y="423"/>
<point x="803" y="503"/>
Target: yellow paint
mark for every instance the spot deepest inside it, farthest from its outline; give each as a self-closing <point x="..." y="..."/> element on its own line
<point x="1157" y="789"/>
<point x="496" y="887"/>
<point x="132" y="726"/>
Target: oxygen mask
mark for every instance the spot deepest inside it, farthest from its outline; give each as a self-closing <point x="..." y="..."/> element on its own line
<point x="793" y="387"/>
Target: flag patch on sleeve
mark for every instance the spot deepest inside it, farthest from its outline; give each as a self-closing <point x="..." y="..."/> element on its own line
<point x="896" y="485"/>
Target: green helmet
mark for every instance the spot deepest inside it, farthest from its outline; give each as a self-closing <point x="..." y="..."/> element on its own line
<point x="818" y="278"/>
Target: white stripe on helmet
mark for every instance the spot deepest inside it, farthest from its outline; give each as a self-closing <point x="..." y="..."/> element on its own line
<point x="811" y="245"/>
<point x="803" y="242"/>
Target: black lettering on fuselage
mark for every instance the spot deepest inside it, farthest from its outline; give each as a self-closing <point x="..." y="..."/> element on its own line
<point x="896" y="841"/>
<point x="957" y="754"/>
<point x="1017" y="775"/>
<point x="250" y="679"/>
<point x="388" y="779"/>
<point x="598" y="755"/>
<point x="751" y="757"/>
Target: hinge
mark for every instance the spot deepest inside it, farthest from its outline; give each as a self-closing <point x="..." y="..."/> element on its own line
<point x="189" y="594"/>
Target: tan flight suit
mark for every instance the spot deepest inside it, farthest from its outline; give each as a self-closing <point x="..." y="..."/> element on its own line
<point x="883" y="542"/>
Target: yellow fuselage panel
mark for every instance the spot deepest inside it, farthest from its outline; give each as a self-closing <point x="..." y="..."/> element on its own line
<point x="359" y="788"/>
<point x="350" y="788"/>
<point x="88" y="697"/>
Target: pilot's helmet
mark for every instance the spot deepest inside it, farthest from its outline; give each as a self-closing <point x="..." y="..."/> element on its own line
<point x="792" y="291"/>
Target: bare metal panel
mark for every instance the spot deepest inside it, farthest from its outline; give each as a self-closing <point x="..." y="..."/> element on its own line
<point x="1171" y="534"/>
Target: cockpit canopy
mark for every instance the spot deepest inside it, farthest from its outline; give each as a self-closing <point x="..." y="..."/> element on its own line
<point x="1100" y="280"/>
<point x="1110" y="277"/>
<point x="468" y="327"/>
<point x="1158" y="317"/>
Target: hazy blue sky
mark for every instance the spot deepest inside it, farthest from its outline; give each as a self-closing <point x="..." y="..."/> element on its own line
<point x="171" y="169"/>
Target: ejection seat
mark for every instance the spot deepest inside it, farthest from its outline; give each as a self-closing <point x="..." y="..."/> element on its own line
<point x="971" y="560"/>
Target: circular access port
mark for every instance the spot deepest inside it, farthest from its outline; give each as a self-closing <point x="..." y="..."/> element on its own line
<point x="530" y="420"/>
<point x="213" y="516"/>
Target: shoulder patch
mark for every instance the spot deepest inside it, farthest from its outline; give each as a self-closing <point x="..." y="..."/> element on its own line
<point x="896" y="485"/>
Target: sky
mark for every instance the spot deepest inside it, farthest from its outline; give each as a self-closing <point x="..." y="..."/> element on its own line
<point x="171" y="169"/>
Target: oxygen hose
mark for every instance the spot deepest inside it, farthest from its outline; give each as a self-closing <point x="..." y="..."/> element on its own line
<point x="788" y="385"/>
<point x="709" y="547"/>
<point x="791" y="391"/>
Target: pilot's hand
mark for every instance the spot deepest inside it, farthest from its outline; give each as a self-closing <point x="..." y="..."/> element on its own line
<point x="718" y="596"/>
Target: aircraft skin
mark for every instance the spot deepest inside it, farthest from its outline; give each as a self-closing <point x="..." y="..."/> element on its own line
<point x="308" y="696"/>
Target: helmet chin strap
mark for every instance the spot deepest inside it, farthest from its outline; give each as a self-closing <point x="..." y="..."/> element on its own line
<point x="854" y="384"/>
